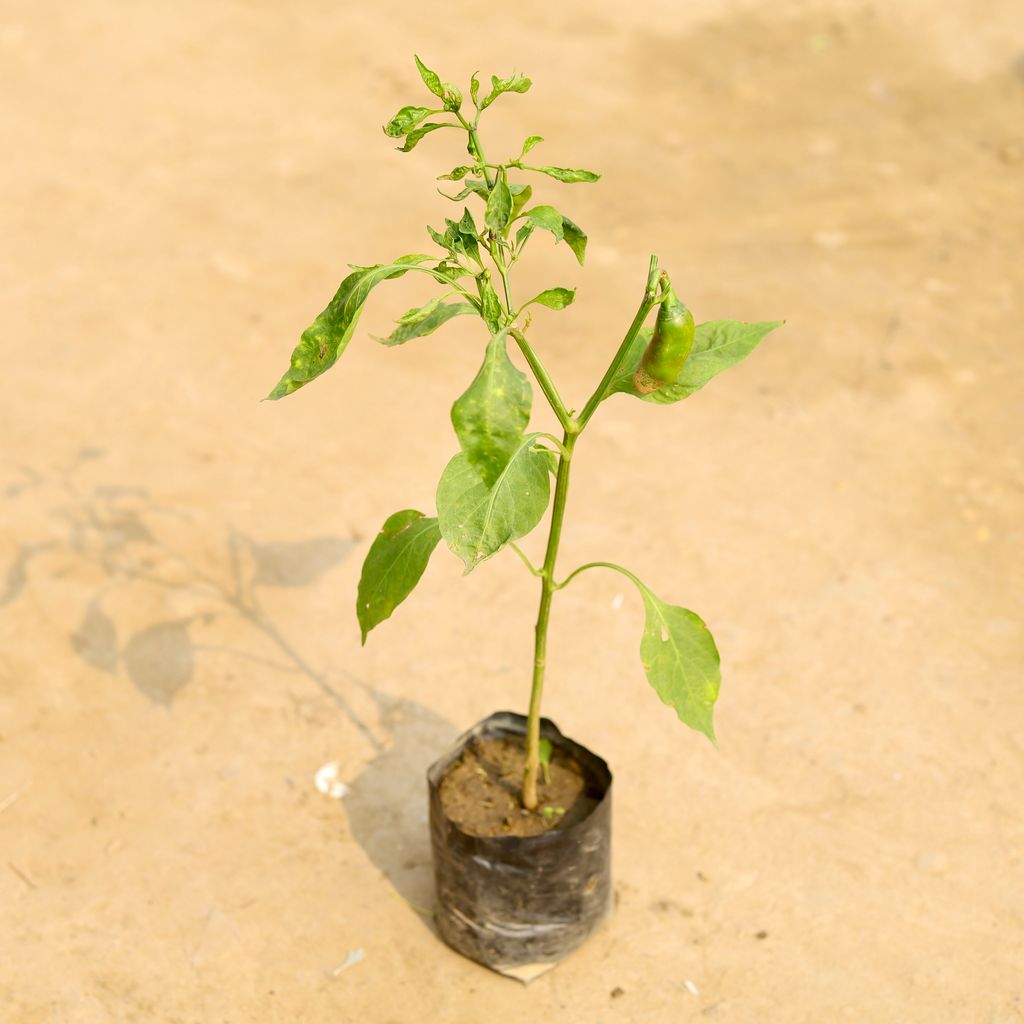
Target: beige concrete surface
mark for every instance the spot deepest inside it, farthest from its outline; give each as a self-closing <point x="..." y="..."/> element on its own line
<point x="182" y="187"/>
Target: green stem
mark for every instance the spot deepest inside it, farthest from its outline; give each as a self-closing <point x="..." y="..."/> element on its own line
<point x="547" y="385"/>
<point x="547" y="590"/>
<point x="522" y="554"/>
<point x="596" y="565"/>
<point x="650" y="300"/>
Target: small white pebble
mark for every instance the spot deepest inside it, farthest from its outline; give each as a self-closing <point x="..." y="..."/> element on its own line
<point x="328" y="783"/>
<point x="351" y="960"/>
<point x="690" y="987"/>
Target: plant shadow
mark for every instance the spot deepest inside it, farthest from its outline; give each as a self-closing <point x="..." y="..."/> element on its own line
<point x="387" y="802"/>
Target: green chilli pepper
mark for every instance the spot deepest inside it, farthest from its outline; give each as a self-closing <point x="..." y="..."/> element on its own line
<point x="669" y="346"/>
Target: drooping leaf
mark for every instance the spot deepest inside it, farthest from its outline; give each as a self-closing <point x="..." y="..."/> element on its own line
<point x="430" y="78"/>
<point x="405" y="120"/>
<point x="517" y="83"/>
<point x="476" y="521"/>
<point x="529" y="144"/>
<point x="160" y="660"/>
<point x="436" y="317"/>
<point x="417" y="133"/>
<point x="490" y="305"/>
<point x="681" y="661"/>
<point x="327" y="337"/>
<point x="491" y="416"/>
<point x="566" y="174"/>
<point x="499" y="205"/>
<point x="394" y="564"/>
<point x="574" y="238"/>
<point x="554" y="298"/>
<point x="717" y="345"/>
<point x="548" y="218"/>
<point x="679" y="657"/>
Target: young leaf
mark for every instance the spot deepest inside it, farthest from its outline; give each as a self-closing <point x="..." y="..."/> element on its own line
<point x="405" y="120"/>
<point x="417" y="133"/>
<point x="548" y="218"/>
<point x="490" y="305"/>
<point x="439" y="314"/>
<point x="430" y="79"/>
<point x="529" y="144"/>
<point x="467" y="239"/>
<point x="474" y="89"/>
<point x="566" y="174"/>
<point x="499" y="205"/>
<point x="394" y="564"/>
<point x="554" y="298"/>
<point x="452" y="97"/>
<point x="492" y="414"/>
<point x="523" y="234"/>
<point x="328" y="335"/>
<point x="717" y="345"/>
<point x="455" y="174"/>
<point x="517" y="83"/>
<point x="476" y="521"/>
<point x="574" y="238"/>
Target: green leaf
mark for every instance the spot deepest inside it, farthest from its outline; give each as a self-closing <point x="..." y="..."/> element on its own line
<point x="437" y="314"/>
<point x="554" y="298"/>
<point x="517" y="83"/>
<point x="717" y="345"/>
<point x="679" y="657"/>
<point x="455" y="174"/>
<point x="490" y="305"/>
<point x="548" y="218"/>
<point x="499" y="205"/>
<point x="328" y="335"/>
<point x="452" y="97"/>
<point x="405" y="120"/>
<point x="529" y="144"/>
<point x="520" y="197"/>
<point x="523" y="234"/>
<point x="681" y="661"/>
<point x="417" y="133"/>
<point x="574" y="238"/>
<point x="474" y="89"/>
<point x="468" y="237"/>
<point x="566" y="174"/>
<point x="491" y="416"/>
<point x="476" y="521"/>
<point x="430" y="79"/>
<point x="394" y="564"/>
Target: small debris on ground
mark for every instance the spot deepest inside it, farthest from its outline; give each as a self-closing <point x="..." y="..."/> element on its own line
<point x="328" y="783"/>
<point x="617" y="993"/>
<point x="354" y="956"/>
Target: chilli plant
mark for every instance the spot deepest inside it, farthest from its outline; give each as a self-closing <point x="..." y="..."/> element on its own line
<point x="497" y="488"/>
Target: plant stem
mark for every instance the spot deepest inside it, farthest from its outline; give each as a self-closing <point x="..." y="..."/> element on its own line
<point x="547" y="590"/>
<point x="547" y="385"/>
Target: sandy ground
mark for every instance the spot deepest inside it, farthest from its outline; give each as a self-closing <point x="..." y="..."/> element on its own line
<point x="183" y="185"/>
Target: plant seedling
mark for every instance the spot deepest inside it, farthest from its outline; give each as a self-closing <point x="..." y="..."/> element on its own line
<point x="497" y="487"/>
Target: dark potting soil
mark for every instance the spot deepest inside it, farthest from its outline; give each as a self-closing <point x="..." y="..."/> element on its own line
<point x="480" y="793"/>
